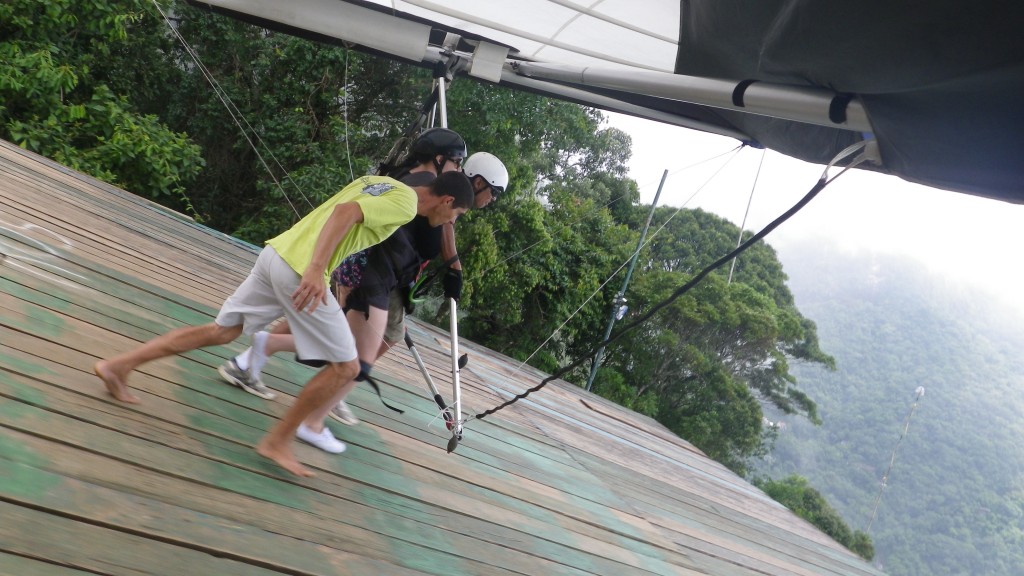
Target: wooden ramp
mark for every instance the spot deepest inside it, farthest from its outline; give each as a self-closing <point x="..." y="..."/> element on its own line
<point x="562" y="483"/>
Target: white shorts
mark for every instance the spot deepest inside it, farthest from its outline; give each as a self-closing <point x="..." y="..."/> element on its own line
<point x="266" y="295"/>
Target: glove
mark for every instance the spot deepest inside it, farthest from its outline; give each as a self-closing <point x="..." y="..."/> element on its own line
<point x="453" y="284"/>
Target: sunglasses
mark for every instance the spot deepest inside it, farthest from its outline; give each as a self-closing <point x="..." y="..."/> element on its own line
<point x="495" y="190"/>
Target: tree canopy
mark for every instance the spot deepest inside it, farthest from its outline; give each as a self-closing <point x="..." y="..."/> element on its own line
<point x="795" y="493"/>
<point x="56" y="100"/>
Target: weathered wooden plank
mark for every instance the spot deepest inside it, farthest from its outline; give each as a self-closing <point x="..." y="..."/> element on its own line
<point x="172" y="525"/>
<point x="36" y="324"/>
<point x="253" y="483"/>
<point x="702" y="523"/>
<point x="64" y="268"/>
<point x="32" y="533"/>
<point x="234" y="509"/>
<point x="561" y="479"/>
<point x="95" y="200"/>
<point x="479" y="505"/>
<point x="42" y="236"/>
<point x="550" y="527"/>
<point x="53" y="228"/>
<point x="535" y="498"/>
<point x="27" y="566"/>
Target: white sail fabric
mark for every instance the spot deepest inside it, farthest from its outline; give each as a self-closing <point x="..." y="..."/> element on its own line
<point x="636" y="33"/>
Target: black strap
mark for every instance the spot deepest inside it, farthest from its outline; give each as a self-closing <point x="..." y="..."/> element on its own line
<point x="837" y="107"/>
<point x="739" y="90"/>
<point x="376" y="388"/>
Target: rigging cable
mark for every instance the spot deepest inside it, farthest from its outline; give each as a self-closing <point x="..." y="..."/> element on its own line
<point x="237" y="116"/>
<point x="743" y="225"/>
<point x="627" y="261"/>
<point x="515" y="255"/>
<point x="918" y="393"/>
<point x="817" y="188"/>
<point x="348" y="151"/>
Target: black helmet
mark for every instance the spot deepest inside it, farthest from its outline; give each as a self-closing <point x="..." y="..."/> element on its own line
<point x="438" y="142"/>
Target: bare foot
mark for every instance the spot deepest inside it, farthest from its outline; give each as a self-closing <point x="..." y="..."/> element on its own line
<point x="283" y="458"/>
<point x="114" y="382"/>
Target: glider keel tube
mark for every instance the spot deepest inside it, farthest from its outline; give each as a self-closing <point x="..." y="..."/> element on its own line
<point x="797" y="103"/>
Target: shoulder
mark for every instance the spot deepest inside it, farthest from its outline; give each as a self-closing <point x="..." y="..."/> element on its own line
<point x="386" y="201"/>
<point x="382" y="191"/>
<point x="380" y="185"/>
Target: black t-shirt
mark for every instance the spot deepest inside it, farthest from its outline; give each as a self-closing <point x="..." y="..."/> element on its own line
<point x="397" y="260"/>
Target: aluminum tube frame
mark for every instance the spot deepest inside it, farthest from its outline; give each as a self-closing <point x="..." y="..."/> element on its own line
<point x="797" y="103"/>
<point x="456" y="389"/>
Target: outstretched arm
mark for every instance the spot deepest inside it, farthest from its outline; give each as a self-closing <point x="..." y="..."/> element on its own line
<point x="448" y="251"/>
<point x="453" y="275"/>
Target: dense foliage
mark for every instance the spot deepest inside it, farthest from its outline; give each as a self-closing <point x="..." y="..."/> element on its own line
<point x="795" y="493"/>
<point x="265" y="125"/>
<point x="55" y="100"/>
<point x="953" y="502"/>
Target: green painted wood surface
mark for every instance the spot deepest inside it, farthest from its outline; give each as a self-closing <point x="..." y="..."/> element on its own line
<point x="564" y="483"/>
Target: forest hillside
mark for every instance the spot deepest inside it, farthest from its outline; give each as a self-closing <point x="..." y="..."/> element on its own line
<point x="954" y="496"/>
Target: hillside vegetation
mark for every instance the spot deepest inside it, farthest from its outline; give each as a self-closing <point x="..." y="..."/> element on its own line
<point x="954" y="500"/>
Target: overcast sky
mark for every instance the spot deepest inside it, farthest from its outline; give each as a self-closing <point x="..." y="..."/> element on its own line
<point x="966" y="238"/>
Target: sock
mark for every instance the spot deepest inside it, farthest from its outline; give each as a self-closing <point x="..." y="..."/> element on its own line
<point x="258" y="354"/>
<point x="243" y="359"/>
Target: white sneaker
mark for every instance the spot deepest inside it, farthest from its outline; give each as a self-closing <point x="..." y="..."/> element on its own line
<point x="324" y="440"/>
<point x="342" y="413"/>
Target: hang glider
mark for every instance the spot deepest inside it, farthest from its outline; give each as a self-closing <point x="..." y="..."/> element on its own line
<point x="939" y="85"/>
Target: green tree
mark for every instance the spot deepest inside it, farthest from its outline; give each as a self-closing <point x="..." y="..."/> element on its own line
<point x="705" y="364"/>
<point x="951" y="503"/>
<point x="537" y="255"/>
<point x="795" y="493"/>
<point x="52" y="102"/>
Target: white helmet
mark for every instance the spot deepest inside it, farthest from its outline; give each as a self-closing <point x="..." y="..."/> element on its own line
<point x="488" y="167"/>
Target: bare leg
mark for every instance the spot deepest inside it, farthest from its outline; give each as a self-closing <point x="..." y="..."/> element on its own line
<point x="315" y="420"/>
<point x="279" y="343"/>
<point x="368" y="330"/>
<point x="281" y="327"/>
<point x="114" y="371"/>
<point x="276" y="445"/>
<point x="273" y="342"/>
<point x="395" y="319"/>
<point x="367" y="335"/>
<point x="384" y="347"/>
